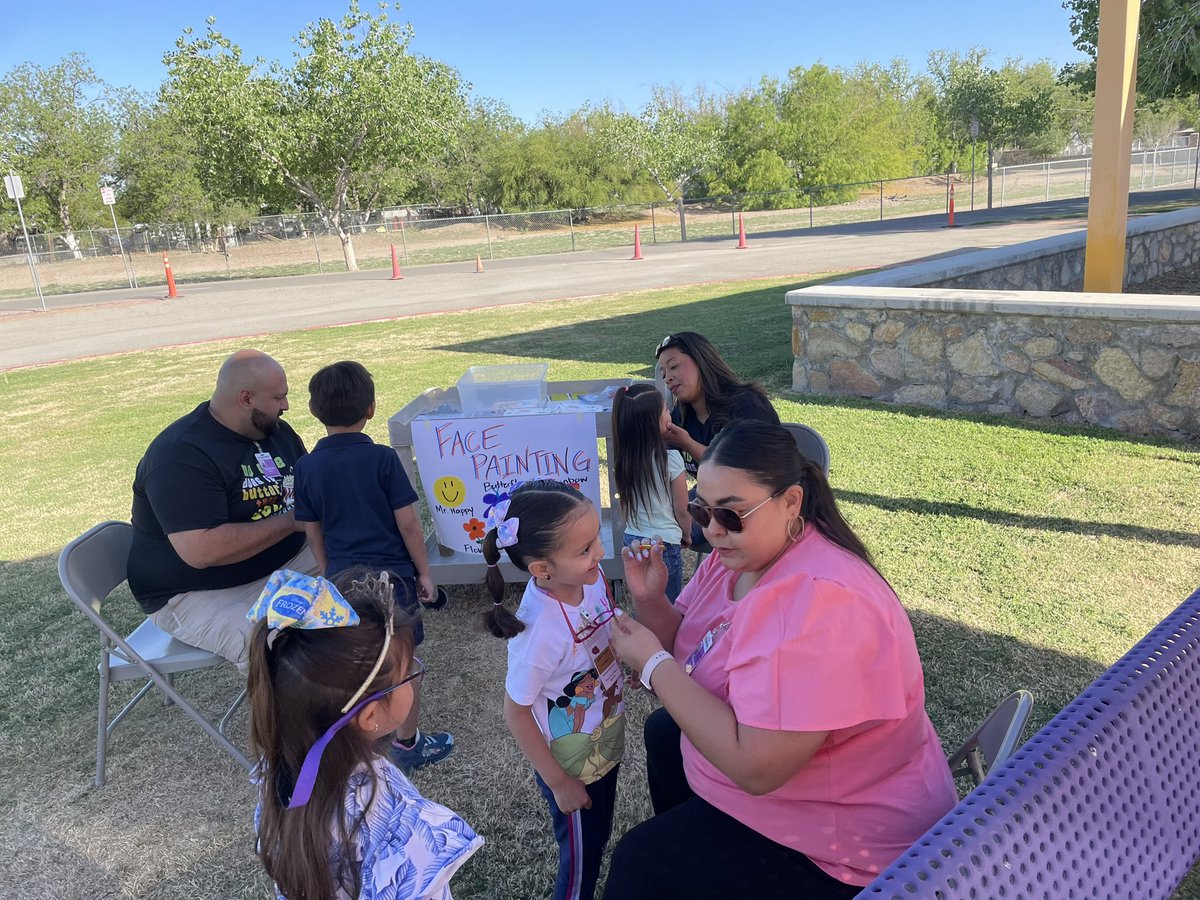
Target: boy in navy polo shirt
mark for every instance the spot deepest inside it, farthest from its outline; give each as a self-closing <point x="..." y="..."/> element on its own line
<point x="357" y="506"/>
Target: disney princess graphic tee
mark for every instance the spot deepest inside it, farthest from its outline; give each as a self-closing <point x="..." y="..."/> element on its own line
<point x="563" y="666"/>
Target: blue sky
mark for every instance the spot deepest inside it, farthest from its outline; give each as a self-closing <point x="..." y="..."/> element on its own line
<point x="539" y="56"/>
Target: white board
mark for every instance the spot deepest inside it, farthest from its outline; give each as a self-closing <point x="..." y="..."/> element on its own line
<point x="468" y="465"/>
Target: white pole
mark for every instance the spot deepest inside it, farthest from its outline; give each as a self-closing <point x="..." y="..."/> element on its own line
<point x="127" y="263"/>
<point x="37" y="283"/>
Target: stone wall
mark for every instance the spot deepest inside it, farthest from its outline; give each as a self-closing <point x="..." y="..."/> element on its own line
<point x="1154" y="245"/>
<point x="1130" y="362"/>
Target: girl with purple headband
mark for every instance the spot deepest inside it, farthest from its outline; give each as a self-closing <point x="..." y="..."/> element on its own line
<point x="331" y="677"/>
<point x="563" y="701"/>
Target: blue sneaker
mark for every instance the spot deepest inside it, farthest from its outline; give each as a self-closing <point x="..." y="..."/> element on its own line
<point x="426" y="749"/>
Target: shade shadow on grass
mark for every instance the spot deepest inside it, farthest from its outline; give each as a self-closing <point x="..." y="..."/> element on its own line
<point x="1017" y="520"/>
<point x="763" y="352"/>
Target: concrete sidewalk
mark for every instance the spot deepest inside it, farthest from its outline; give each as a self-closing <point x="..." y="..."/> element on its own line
<point x="101" y="323"/>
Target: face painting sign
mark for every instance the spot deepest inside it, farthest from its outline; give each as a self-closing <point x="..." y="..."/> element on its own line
<point x="469" y="465"/>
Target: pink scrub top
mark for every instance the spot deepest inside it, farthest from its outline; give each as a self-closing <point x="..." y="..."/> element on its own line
<point x="821" y="643"/>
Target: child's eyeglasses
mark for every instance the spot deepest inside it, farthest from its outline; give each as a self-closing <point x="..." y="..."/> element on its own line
<point x="590" y="623"/>
<point x="729" y="519"/>
<point x="307" y="778"/>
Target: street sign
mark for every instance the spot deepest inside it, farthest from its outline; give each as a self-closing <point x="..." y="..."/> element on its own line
<point x="12" y="184"/>
<point x="107" y="195"/>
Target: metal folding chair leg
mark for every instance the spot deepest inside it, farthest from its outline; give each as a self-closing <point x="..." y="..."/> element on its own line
<point x="216" y="734"/>
<point x="142" y="692"/>
<point x="241" y="698"/>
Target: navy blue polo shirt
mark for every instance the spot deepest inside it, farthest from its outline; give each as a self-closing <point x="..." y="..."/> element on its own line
<point x="353" y="487"/>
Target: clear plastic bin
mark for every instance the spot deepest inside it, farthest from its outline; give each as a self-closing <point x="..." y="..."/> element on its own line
<point x="491" y="389"/>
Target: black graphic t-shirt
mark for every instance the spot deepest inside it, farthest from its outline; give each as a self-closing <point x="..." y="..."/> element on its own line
<point x="199" y="474"/>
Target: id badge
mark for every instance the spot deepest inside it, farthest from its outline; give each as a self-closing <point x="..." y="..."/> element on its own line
<point x="706" y="644"/>
<point x="604" y="660"/>
<point x="267" y="464"/>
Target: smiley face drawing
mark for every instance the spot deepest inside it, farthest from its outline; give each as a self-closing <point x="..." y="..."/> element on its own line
<point x="450" y="490"/>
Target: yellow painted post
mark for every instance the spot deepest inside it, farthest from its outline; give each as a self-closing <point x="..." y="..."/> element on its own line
<point x="1112" y="142"/>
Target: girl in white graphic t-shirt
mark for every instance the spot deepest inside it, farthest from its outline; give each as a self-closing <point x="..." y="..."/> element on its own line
<point x="563" y="701"/>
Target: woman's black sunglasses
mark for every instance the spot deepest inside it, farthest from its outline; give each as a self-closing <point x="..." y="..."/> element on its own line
<point x="729" y="519"/>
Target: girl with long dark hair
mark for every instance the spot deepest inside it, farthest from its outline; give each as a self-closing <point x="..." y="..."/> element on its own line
<point x="650" y="479"/>
<point x="331" y="677"/>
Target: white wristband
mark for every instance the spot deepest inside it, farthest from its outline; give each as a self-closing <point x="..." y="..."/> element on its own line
<point x="651" y="664"/>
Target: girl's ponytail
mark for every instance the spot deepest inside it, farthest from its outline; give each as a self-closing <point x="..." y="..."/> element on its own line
<point x="540" y="510"/>
<point x="260" y="690"/>
<point x="498" y="620"/>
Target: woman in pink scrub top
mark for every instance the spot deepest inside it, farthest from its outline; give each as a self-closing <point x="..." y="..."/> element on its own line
<point x="793" y="756"/>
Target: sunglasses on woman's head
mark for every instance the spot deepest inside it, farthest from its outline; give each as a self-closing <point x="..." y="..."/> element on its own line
<point x="663" y="345"/>
<point x="729" y="519"/>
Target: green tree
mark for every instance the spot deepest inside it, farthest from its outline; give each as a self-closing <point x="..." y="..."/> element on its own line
<point x="1168" y="45"/>
<point x="750" y="162"/>
<point x="460" y="174"/>
<point x="1156" y="122"/>
<point x="673" y="140"/>
<point x="352" y="108"/>
<point x="566" y="162"/>
<point x="58" y="128"/>
<point x="157" y="170"/>
<point x="1004" y="108"/>
<point x="822" y="128"/>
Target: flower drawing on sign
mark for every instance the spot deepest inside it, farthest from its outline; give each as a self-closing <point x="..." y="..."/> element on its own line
<point x="493" y="499"/>
<point x="475" y="529"/>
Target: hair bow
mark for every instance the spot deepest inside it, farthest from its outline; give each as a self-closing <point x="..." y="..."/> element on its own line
<point x="295" y="600"/>
<point x="506" y="528"/>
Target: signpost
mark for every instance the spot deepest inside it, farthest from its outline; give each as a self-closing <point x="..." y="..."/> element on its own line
<point x="110" y="198"/>
<point x="974" y="134"/>
<point x="16" y="190"/>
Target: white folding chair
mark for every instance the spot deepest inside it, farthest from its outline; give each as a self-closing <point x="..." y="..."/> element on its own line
<point x="90" y="568"/>
<point x="995" y="740"/>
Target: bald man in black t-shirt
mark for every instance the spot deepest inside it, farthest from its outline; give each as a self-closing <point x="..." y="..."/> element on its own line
<point x="212" y="509"/>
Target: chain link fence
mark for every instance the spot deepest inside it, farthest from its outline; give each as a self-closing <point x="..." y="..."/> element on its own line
<point x="89" y="259"/>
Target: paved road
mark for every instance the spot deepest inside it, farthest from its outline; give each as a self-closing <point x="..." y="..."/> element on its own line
<point x="101" y="323"/>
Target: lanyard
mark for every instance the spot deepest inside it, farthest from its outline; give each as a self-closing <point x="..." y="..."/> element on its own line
<point x="706" y="644"/>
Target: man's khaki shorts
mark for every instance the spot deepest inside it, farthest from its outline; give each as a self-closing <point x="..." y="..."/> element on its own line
<point x="216" y="620"/>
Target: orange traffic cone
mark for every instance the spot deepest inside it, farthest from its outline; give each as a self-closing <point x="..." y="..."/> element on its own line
<point x="171" y="290"/>
<point x="396" y="276"/>
<point x="478" y="263"/>
<point x="741" y="233"/>
<point x="637" y="244"/>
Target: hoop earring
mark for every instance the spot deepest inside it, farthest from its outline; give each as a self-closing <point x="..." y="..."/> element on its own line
<point x="800" y="525"/>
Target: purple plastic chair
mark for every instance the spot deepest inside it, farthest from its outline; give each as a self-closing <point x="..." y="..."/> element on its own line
<point x="1102" y="802"/>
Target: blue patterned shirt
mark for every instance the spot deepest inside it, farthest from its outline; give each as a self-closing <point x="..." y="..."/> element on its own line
<point x="407" y="847"/>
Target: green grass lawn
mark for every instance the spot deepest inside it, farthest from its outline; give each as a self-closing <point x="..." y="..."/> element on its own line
<point x="1027" y="556"/>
